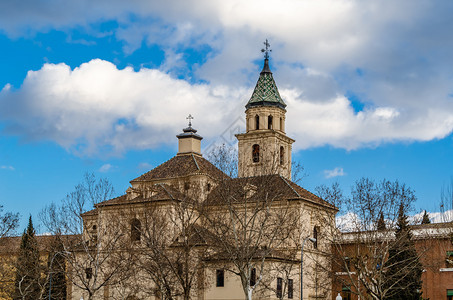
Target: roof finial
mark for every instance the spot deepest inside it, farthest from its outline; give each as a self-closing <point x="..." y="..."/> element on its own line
<point x="266" y="50"/>
<point x="190" y="118"/>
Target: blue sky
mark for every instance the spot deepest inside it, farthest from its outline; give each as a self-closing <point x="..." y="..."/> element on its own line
<point x="105" y="86"/>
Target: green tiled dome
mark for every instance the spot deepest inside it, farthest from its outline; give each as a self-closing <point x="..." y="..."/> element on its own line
<point x="266" y="91"/>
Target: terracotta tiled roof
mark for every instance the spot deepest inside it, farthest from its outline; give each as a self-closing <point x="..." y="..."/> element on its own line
<point x="92" y="212"/>
<point x="159" y="192"/>
<point x="182" y="165"/>
<point x="273" y="186"/>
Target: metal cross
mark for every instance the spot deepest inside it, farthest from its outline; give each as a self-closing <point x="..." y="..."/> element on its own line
<point x="266" y="50"/>
<point x="190" y="118"/>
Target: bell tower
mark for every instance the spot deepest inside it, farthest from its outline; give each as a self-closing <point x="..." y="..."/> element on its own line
<point x="264" y="148"/>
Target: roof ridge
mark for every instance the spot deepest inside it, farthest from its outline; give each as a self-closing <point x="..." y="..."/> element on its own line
<point x="290" y="186"/>
<point x="162" y="186"/>
<point x="195" y="162"/>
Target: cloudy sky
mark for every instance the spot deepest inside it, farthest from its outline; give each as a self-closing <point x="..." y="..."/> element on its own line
<point x="104" y="87"/>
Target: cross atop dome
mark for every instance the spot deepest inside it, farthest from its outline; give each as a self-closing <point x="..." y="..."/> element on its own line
<point x="190" y="118"/>
<point x="266" y="50"/>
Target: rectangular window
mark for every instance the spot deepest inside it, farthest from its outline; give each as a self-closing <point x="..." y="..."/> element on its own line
<point x="449" y="294"/>
<point x="279" y="287"/>
<point x="290" y="289"/>
<point x="253" y="277"/>
<point x="88" y="273"/>
<point x="220" y="274"/>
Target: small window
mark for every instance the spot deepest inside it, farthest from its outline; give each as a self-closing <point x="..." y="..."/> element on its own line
<point x="279" y="288"/>
<point x="282" y="155"/>
<point x="208" y="187"/>
<point x="136" y="228"/>
<point x="186" y="186"/>
<point x="449" y="260"/>
<point x="88" y="273"/>
<point x="94" y="227"/>
<point x="257" y="122"/>
<point x="290" y="289"/>
<point x="315" y="236"/>
<point x="281" y="124"/>
<point x="253" y="277"/>
<point x="256" y="153"/>
<point x="346" y="292"/>
<point x="346" y="264"/>
<point x="220" y="275"/>
<point x="269" y="122"/>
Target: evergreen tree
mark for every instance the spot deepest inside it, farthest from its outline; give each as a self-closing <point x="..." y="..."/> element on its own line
<point x="28" y="268"/>
<point x="403" y="269"/>
<point x="381" y="222"/>
<point x="56" y="271"/>
<point x="426" y="219"/>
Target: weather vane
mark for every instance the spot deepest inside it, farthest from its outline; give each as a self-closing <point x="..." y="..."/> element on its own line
<point x="266" y="50"/>
<point x="190" y="118"/>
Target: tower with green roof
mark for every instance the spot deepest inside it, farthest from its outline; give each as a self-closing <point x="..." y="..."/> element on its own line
<point x="265" y="148"/>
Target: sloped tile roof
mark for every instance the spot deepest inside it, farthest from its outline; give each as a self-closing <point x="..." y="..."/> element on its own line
<point x="159" y="192"/>
<point x="271" y="186"/>
<point x="182" y="165"/>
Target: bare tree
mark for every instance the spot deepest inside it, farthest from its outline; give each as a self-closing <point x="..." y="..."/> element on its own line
<point x="361" y="247"/>
<point x="446" y="201"/>
<point x="250" y="220"/>
<point x="174" y="260"/>
<point x="93" y="247"/>
<point x="8" y="222"/>
<point x="8" y="225"/>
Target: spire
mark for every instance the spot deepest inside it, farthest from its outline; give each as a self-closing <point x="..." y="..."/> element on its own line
<point x="266" y="91"/>
<point x="266" y="51"/>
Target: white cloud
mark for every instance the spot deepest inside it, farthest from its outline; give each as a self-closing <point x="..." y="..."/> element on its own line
<point x="348" y="222"/>
<point x="11" y="168"/>
<point x="105" y="168"/>
<point x="334" y="173"/>
<point x="434" y="217"/>
<point x="97" y="109"/>
<point x="396" y="60"/>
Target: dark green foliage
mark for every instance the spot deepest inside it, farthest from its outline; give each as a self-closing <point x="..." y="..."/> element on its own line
<point x="56" y="271"/>
<point x="426" y="219"/>
<point x="28" y="268"/>
<point x="403" y="269"/>
<point x="381" y="222"/>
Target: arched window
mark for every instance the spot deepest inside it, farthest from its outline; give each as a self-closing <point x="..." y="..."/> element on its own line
<point x="282" y="155"/>
<point x="256" y="153"/>
<point x="257" y="122"/>
<point x="269" y="122"/>
<point x="315" y="236"/>
<point x="136" y="228"/>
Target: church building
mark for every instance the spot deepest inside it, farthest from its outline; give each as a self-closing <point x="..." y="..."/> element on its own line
<point x="220" y="237"/>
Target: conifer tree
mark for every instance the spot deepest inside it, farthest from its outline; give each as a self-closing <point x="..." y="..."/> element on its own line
<point x="28" y="268"/>
<point x="426" y="219"/>
<point x="381" y="222"/>
<point x="56" y="271"/>
<point x="403" y="269"/>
